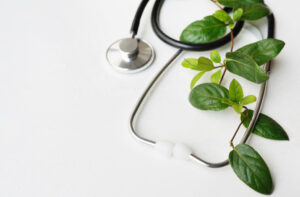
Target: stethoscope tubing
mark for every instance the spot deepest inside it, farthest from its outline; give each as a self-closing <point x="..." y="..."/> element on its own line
<point x="192" y="156"/>
<point x="166" y="39"/>
<point x="186" y="46"/>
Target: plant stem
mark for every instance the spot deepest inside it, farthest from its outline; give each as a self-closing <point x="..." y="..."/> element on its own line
<point x="219" y="66"/>
<point x="222" y="76"/>
<point x="215" y="2"/>
<point x="232" y="40"/>
<point x="231" y="49"/>
<point x="237" y="130"/>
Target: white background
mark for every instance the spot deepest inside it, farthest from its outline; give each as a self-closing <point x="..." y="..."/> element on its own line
<point x="64" y="111"/>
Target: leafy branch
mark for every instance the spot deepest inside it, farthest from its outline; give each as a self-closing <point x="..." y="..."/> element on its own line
<point x="245" y="62"/>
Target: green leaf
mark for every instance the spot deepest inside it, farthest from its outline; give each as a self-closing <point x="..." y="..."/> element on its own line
<point x="238" y="108"/>
<point x="215" y="78"/>
<point x="227" y="101"/>
<point x="191" y="63"/>
<point x="206" y="30"/>
<point x="231" y="26"/>
<point x="264" y="50"/>
<point x="215" y="56"/>
<point x="248" y="100"/>
<point x="235" y="91"/>
<point x="205" y="64"/>
<point x="250" y="167"/>
<point x="223" y="16"/>
<point x="196" y="78"/>
<point x="208" y="96"/>
<point x="254" y="11"/>
<point x="235" y="3"/>
<point x="244" y="66"/>
<point x="237" y="14"/>
<point x="265" y="127"/>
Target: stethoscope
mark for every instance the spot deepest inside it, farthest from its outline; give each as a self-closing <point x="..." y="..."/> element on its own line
<point x="133" y="55"/>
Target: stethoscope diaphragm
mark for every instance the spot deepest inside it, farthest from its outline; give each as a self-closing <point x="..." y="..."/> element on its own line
<point x="130" y="55"/>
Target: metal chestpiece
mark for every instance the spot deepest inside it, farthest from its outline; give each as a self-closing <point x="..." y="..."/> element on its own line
<point x="129" y="49"/>
<point x="130" y="55"/>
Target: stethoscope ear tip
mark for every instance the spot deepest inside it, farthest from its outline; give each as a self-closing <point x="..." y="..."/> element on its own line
<point x="130" y="55"/>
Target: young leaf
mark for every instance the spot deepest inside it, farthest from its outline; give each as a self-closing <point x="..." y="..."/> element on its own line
<point x="235" y="3"/>
<point x="227" y="101"/>
<point x="248" y="100"/>
<point x="235" y="91"/>
<point x="215" y="56"/>
<point x="206" y="30"/>
<point x="254" y="11"/>
<point x="205" y="64"/>
<point x="237" y="14"/>
<point x="244" y="66"/>
<point x="191" y="63"/>
<point x="265" y="127"/>
<point x="215" y="78"/>
<point x="249" y="166"/>
<point x="223" y="16"/>
<point x="264" y="50"/>
<point x="238" y="108"/>
<point x="196" y="78"/>
<point x="231" y="26"/>
<point x="208" y="96"/>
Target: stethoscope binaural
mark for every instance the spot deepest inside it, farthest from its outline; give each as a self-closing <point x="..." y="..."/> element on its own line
<point x="133" y="55"/>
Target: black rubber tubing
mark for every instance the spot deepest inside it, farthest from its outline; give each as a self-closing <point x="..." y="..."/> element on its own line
<point x="271" y="34"/>
<point x="185" y="46"/>
<point x="137" y="18"/>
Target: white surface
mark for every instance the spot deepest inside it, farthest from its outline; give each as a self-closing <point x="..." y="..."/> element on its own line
<point x="64" y="111"/>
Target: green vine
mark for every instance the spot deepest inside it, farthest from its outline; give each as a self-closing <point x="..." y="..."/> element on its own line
<point x="245" y="62"/>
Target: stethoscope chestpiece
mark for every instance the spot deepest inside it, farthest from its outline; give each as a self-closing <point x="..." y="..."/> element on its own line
<point x="130" y="55"/>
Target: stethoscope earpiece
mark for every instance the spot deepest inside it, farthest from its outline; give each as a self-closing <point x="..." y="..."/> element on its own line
<point x="130" y="55"/>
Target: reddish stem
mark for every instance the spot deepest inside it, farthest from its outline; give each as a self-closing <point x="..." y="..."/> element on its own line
<point x="232" y="40"/>
<point x="216" y="3"/>
<point x="237" y="130"/>
<point x="231" y="50"/>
